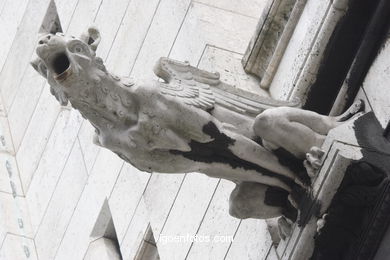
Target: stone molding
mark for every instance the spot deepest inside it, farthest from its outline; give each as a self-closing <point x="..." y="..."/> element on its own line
<point x="343" y="149"/>
<point x="271" y="38"/>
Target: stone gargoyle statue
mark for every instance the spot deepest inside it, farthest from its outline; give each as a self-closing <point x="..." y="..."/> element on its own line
<point x="191" y="122"/>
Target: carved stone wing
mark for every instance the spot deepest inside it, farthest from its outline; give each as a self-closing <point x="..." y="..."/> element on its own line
<point x="204" y="89"/>
<point x="190" y="84"/>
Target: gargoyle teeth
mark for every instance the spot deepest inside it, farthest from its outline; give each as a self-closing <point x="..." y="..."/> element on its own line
<point x="63" y="75"/>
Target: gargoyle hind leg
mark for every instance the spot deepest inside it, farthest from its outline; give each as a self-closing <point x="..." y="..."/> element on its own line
<point x="298" y="130"/>
<point x="256" y="200"/>
<point x="251" y="152"/>
<point x="294" y="129"/>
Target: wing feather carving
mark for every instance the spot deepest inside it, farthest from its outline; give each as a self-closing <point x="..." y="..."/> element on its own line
<point x="204" y="89"/>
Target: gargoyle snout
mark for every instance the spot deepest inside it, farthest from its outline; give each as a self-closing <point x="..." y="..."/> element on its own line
<point x="45" y="39"/>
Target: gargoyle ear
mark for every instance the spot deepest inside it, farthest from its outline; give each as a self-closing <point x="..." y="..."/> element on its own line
<point x="91" y="37"/>
<point x="39" y="66"/>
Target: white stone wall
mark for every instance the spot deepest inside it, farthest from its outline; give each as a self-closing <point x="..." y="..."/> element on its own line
<point x="54" y="181"/>
<point x="299" y="65"/>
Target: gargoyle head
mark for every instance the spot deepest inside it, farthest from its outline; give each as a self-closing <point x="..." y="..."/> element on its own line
<point x="66" y="61"/>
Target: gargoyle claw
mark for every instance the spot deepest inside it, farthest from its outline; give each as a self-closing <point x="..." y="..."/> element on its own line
<point x="353" y="111"/>
<point x="321" y="222"/>
<point x="317" y="151"/>
<point x="313" y="161"/>
<point x="284" y="227"/>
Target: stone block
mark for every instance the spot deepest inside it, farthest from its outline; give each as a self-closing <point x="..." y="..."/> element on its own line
<point x="63" y="202"/>
<point x="376" y="85"/>
<point x="131" y="36"/>
<point x="18" y="247"/>
<point x="88" y="148"/>
<point x="167" y="21"/>
<point x="135" y="233"/>
<point x="298" y="49"/>
<point x="100" y="183"/>
<point x="273" y="30"/>
<point x="159" y="197"/>
<point x="14" y="215"/>
<point x="11" y="15"/>
<point x="6" y="143"/>
<point x="36" y="136"/>
<point x="251" y="241"/>
<point x="184" y="218"/>
<point x="228" y="64"/>
<point x="217" y="225"/>
<point x="204" y="25"/>
<point x="251" y="8"/>
<point x="22" y="49"/>
<point x="25" y="104"/>
<point x="83" y="16"/>
<point x="126" y="196"/>
<point x="109" y="20"/>
<point x="44" y="181"/>
<point x="103" y="249"/>
<point x="10" y="177"/>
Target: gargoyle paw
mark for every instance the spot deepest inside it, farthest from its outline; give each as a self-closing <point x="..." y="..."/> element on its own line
<point x="284" y="228"/>
<point x="313" y="161"/>
<point x="352" y="112"/>
<point x="321" y="222"/>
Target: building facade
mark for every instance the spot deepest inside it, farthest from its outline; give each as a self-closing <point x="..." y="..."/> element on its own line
<point x="62" y="197"/>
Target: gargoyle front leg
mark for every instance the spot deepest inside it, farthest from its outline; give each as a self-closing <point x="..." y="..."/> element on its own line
<point x="256" y="200"/>
<point x="313" y="162"/>
<point x="252" y="152"/>
<point x="353" y="110"/>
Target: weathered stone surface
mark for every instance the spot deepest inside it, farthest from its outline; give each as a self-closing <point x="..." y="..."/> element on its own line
<point x="60" y="208"/>
<point x="135" y="232"/>
<point x="377" y="88"/>
<point x="124" y="201"/>
<point x="11" y="15"/>
<point x="337" y="183"/>
<point x="184" y="218"/>
<point x="248" y="8"/>
<point x="250" y="230"/>
<point x="18" y="247"/>
<point x="102" y="248"/>
<point x="267" y="36"/>
<point x="229" y="64"/>
<point x="76" y="239"/>
<point x="22" y="48"/>
<point x="304" y="43"/>
<point x="48" y="172"/>
<point x="10" y="176"/>
<point x="216" y="224"/>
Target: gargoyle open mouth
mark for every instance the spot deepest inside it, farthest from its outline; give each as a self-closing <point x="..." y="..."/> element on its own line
<point x="60" y="64"/>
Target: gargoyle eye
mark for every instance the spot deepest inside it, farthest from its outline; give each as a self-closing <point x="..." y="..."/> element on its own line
<point x="78" y="48"/>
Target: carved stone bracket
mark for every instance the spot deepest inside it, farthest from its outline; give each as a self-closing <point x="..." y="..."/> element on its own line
<point x="353" y="190"/>
<point x="272" y="35"/>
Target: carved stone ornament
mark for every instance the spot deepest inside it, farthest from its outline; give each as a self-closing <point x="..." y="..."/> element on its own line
<point x="192" y="122"/>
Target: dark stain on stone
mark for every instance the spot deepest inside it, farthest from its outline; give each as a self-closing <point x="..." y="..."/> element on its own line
<point x="307" y="205"/>
<point x="387" y="132"/>
<point x="355" y="199"/>
<point x="370" y="135"/>
<point x="275" y="196"/>
<point x="258" y="140"/>
<point x="217" y="151"/>
<point x="358" y="214"/>
<point x="375" y="35"/>
<point x="278" y="197"/>
<point x="295" y="164"/>
<point x="339" y="55"/>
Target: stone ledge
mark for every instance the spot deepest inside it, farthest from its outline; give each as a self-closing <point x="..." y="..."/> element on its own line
<point x="335" y="184"/>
